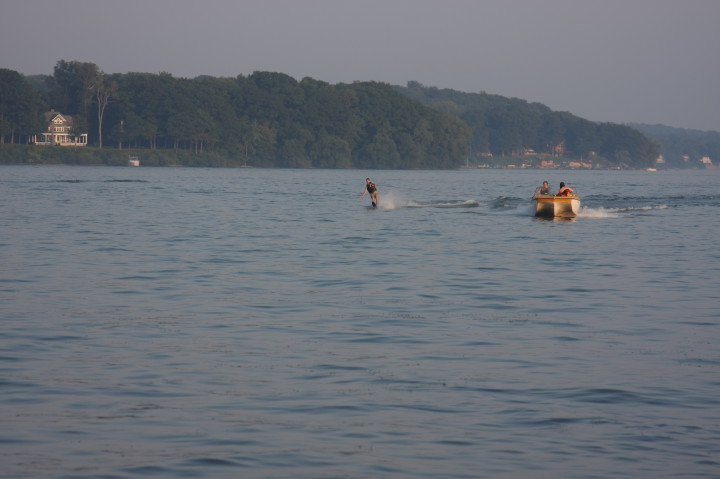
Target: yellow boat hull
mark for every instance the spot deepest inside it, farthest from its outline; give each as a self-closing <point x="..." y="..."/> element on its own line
<point x="549" y="206"/>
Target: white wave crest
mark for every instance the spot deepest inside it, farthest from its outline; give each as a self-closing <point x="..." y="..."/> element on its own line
<point x="391" y="201"/>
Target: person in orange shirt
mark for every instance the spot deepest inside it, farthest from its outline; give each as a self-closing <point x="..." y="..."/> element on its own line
<point x="564" y="190"/>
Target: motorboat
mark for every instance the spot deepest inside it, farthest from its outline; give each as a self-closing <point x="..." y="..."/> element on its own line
<point x="549" y="206"/>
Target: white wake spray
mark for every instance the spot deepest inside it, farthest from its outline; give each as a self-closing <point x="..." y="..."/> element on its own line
<point x="597" y="213"/>
<point x="391" y="201"/>
<point x="615" y="212"/>
<point x="522" y="209"/>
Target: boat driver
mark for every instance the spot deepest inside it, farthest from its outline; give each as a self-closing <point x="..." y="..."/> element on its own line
<point x="544" y="189"/>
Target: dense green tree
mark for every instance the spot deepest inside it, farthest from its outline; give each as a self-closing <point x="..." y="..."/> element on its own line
<point x="331" y="152"/>
<point x="73" y="88"/>
<point x="624" y="145"/>
<point x="293" y="154"/>
<point x="581" y="136"/>
<point x="264" y="142"/>
<point x="477" y="122"/>
<point x="381" y="151"/>
<point x="551" y="131"/>
<point x="21" y="106"/>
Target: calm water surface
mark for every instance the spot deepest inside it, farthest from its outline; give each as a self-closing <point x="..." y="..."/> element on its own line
<point x="160" y="322"/>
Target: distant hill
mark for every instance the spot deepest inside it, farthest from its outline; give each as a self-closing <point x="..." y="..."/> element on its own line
<point x="676" y="143"/>
<point x="503" y="126"/>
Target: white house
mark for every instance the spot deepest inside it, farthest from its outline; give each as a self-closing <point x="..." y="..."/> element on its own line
<point x="60" y="131"/>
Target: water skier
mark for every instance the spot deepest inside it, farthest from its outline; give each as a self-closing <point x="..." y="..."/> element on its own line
<point x="371" y="188"/>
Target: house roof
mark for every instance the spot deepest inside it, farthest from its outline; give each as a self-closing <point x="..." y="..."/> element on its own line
<point x="52" y="114"/>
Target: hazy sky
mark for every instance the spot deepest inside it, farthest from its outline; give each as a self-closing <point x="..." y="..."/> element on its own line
<point x="648" y="61"/>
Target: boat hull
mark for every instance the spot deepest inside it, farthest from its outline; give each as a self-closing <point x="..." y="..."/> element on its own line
<point x="549" y="206"/>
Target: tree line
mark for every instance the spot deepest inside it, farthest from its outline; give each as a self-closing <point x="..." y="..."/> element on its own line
<point x="501" y="125"/>
<point x="272" y="120"/>
<point x="264" y="119"/>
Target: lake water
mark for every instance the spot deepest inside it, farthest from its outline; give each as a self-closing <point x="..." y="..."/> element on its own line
<point x="168" y="322"/>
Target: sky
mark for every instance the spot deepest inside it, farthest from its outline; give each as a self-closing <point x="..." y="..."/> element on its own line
<point x="621" y="61"/>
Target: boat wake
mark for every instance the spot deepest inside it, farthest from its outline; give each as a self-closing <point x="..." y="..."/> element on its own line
<point x="640" y="208"/>
<point x="616" y="212"/>
<point x="392" y="201"/>
<point x="524" y="209"/>
<point x="510" y="206"/>
<point x="520" y="210"/>
<point x="443" y="204"/>
<point x="597" y="213"/>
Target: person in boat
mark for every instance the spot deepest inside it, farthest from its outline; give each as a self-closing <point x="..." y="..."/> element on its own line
<point x="564" y="190"/>
<point x="544" y="189"/>
<point x="371" y="188"/>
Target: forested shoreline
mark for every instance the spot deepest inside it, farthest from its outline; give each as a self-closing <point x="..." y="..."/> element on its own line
<point x="269" y="119"/>
<point x="682" y="147"/>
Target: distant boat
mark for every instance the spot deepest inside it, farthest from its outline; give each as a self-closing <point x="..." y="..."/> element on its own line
<point x="549" y="206"/>
<point x="133" y="161"/>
